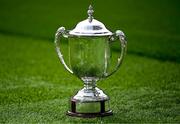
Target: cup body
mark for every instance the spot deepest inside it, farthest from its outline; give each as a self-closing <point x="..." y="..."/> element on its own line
<point x="89" y="56"/>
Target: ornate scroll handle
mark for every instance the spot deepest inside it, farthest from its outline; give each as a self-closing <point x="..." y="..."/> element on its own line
<point x="123" y="42"/>
<point x="59" y="33"/>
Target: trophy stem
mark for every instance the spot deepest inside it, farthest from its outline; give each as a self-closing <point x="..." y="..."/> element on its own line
<point x="90" y="84"/>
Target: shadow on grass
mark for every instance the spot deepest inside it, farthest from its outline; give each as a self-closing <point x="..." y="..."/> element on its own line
<point x="25" y="35"/>
<point x="157" y="56"/>
<point x="160" y="57"/>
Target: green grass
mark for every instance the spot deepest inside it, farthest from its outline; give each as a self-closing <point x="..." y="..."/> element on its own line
<point x="34" y="87"/>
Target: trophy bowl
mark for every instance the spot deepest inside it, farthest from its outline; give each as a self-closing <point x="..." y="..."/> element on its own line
<point x="89" y="59"/>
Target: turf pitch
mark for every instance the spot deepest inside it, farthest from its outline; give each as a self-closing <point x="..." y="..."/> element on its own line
<point x="34" y="87"/>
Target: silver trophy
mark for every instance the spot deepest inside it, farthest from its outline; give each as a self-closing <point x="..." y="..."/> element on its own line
<point x="89" y="58"/>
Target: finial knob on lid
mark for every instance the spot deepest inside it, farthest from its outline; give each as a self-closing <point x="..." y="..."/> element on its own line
<point x="90" y="13"/>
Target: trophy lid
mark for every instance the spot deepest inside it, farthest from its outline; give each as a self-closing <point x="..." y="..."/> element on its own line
<point x="90" y="27"/>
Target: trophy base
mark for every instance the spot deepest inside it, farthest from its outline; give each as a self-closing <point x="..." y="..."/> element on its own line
<point x="90" y="115"/>
<point x="89" y="109"/>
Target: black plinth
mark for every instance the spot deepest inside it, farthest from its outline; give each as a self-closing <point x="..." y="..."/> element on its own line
<point x="101" y="109"/>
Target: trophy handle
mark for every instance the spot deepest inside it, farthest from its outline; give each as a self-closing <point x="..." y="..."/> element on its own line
<point x="59" y="33"/>
<point x="123" y="44"/>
